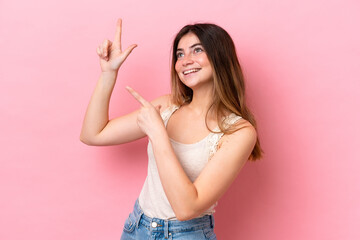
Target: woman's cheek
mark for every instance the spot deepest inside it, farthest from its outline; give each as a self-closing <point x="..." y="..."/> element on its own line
<point x="178" y="67"/>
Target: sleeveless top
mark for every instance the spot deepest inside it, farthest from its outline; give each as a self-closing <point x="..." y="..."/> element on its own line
<point x="192" y="157"/>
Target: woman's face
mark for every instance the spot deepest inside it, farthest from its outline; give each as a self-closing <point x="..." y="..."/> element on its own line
<point x="193" y="66"/>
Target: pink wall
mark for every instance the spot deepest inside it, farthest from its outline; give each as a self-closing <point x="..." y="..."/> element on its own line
<point x="302" y="63"/>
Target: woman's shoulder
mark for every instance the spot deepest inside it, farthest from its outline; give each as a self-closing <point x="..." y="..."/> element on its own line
<point x="238" y="126"/>
<point x="164" y="101"/>
<point x="234" y="121"/>
<point x="242" y="132"/>
<point x="167" y="106"/>
<point x="239" y="123"/>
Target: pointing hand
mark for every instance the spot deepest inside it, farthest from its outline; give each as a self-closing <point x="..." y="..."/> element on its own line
<point x="111" y="54"/>
<point x="149" y="119"/>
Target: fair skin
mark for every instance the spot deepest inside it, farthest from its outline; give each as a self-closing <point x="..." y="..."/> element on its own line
<point x="188" y="199"/>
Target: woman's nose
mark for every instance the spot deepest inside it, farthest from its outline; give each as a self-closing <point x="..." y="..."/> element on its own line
<point x="187" y="60"/>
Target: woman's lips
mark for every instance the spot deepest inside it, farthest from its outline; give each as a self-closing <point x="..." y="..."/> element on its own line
<point x="192" y="70"/>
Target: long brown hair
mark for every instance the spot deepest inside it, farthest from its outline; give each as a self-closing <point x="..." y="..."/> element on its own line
<point x="229" y="85"/>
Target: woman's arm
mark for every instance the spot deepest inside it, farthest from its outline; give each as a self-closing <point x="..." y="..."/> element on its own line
<point x="97" y="129"/>
<point x="187" y="199"/>
<point x="121" y="129"/>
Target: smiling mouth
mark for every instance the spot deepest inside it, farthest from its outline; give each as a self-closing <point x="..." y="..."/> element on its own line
<point x="191" y="71"/>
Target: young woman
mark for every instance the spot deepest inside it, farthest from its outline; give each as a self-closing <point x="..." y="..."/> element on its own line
<point x="200" y="135"/>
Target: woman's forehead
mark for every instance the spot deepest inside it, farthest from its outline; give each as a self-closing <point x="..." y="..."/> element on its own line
<point x="188" y="40"/>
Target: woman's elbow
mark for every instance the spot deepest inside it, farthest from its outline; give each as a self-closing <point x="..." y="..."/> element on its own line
<point x="87" y="140"/>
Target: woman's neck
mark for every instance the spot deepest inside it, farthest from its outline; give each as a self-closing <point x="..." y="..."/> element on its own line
<point x="201" y="100"/>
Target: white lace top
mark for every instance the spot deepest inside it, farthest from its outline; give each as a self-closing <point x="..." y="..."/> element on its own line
<point x="192" y="157"/>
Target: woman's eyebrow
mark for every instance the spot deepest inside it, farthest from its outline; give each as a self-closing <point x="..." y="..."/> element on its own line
<point x="196" y="44"/>
<point x="192" y="46"/>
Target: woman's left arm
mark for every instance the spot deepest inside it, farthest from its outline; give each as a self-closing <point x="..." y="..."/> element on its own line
<point x="189" y="199"/>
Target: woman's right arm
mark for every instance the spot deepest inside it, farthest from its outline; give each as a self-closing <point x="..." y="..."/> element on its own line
<point x="96" y="128"/>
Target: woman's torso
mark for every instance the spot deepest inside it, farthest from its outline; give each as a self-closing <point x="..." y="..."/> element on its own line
<point x="193" y="152"/>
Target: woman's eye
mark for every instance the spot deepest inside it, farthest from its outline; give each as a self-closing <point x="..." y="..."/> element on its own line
<point x="179" y="54"/>
<point x="197" y="50"/>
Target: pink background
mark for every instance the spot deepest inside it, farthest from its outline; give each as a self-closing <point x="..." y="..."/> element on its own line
<point x="302" y="64"/>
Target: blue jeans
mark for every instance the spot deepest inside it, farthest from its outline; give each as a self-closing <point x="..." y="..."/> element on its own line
<point x="138" y="226"/>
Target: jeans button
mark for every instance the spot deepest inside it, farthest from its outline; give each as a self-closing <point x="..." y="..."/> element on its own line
<point x="154" y="224"/>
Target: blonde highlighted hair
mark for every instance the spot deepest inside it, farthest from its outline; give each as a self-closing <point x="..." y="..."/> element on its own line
<point x="229" y="85"/>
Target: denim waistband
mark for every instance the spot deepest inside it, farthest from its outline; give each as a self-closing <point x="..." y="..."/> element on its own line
<point x="166" y="226"/>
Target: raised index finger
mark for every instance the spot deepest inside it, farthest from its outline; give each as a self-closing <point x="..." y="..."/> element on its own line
<point x="117" y="39"/>
<point x="138" y="97"/>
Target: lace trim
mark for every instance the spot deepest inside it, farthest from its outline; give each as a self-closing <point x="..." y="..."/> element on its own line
<point x="214" y="138"/>
<point x="213" y="142"/>
<point x="165" y="115"/>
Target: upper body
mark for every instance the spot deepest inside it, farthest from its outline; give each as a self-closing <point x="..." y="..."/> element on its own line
<point x="193" y="157"/>
<point x="196" y="76"/>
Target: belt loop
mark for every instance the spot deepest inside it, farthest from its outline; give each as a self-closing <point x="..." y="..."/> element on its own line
<point x="212" y="220"/>
<point x="139" y="218"/>
<point x="166" y="229"/>
<point x="139" y="212"/>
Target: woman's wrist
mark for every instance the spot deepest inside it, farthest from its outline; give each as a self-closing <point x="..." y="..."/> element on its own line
<point x="158" y="137"/>
<point x="109" y="74"/>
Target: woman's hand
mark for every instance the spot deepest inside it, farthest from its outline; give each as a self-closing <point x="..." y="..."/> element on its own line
<point x="149" y="119"/>
<point x="110" y="53"/>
